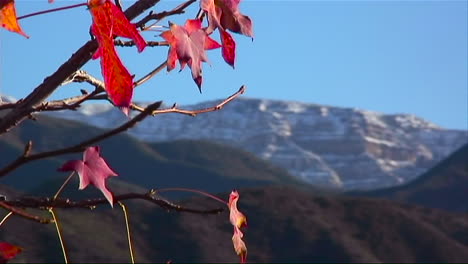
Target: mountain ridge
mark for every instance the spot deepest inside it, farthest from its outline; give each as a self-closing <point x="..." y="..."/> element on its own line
<point x="343" y="148"/>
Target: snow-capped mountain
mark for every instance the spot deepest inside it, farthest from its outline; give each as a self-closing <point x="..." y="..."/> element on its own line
<point x="329" y="146"/>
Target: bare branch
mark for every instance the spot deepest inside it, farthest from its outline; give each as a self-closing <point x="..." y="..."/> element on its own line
<point x="47" y="202"/>
<point x="174" y="108"/>
<point x="150" y="74"/>
<point x="24" y="108"/>
<point x="24" y="214"/>
<point x="159" y="16"/>
<point x="81" y="146"/>
<point x="131" y="43"/>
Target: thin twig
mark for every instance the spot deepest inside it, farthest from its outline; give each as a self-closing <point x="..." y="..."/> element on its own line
<point x="23" y="214"/>
<point x="150" y="74"/>
<point x="51" y="10"/>
<point x="59" y="235"/>
<point x="159" y="16"/>
<point x="63" y="185"/>
<point x="174" y="108"/>
<point x="131" y="43"/>
<point x="5" y="218"/>
<point x="80" y="146"/>
<point x="178" y="189"/>
<point x="130" y="248"/>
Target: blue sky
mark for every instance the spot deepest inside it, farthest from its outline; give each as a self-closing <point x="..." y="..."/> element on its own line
<point x="386" y="56"/>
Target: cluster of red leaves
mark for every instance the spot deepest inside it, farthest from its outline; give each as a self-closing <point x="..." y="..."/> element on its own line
<point x="8" y="18"/>
<point x="93" y="169"/>
<point x="238" y="220"/>
<point x="189" y="42"/>
<point x="8" y="251"/>
<point x="109" y="21"/>
<point x="187" y="45"/>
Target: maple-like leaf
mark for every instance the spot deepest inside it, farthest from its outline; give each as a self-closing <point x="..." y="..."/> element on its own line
<point x="8" y="18"/>
<point x="8" y="251"/>
<point x="229" y="47"/>
<point x="238" y="220"/>
<point x="225" y="14"/>
<point x="109" y="21"/>
<point x="93" y="169"/>
<point x="187" y="45"/>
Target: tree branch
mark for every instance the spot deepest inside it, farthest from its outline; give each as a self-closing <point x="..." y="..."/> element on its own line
<point x="131" y="43"/>
<point x="24" y="214"/>
<point x="174" y="108"/>
<point x="24" y="108"/>
<point x="48" y="202"/>
<point x="81" y="146"/>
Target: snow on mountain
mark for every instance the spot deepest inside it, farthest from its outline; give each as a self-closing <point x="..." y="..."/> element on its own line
<point x="6" y="99"/>
<point x="328" y="146"/>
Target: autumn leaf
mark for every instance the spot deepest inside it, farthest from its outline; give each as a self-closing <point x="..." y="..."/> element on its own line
<point x="93" y="169"/>
<point x="239" y="245"/>
<point x="8" y="17"/>
<point x="238" y="220"/>
<point x="228" y="47"/>
<point x="8" y="251"/>
<point x="109" y="21"/>
<point x="225" y="14"/>
<point x="187" y="45"/>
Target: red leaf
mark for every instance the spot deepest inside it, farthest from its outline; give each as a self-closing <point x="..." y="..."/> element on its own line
<point x="188" y="44"/>
<point x="109" y="21"/>
<point x="8" y="18"/>
<point x="93" y="169"/>
<point x="229" y="47"/>
<point x="238" y="220"/>
<point x="8" y="251"/>
<point x="225" y="14"/>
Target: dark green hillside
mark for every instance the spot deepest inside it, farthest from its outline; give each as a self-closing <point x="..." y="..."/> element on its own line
<point x="445" y="186"/>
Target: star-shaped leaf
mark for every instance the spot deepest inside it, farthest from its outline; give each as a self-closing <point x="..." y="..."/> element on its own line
<point x="187" y="45"/>
<point x="8" y="18"/>
<point x="93" y="169"/>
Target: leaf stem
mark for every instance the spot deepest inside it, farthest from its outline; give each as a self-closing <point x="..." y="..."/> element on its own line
<point x="5" y="218"/>
<point x="130" y="247"/>
<point x="63" y="185"/>
<point x="52" y="10"/>
<point x="59" y="235"/>
<point x="193" y="191"/>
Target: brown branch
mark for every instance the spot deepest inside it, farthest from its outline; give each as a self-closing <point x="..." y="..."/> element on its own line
<point x="159" y="16"/>
<point x="24" y="108"/>
<point x="174" y="108"/>
<point x="80" y="146"/>
<point x="47" y="202"/>
<point x="4" y="106"/>
<point x="131" y="43"/>
<point x="81" y="76"/>
<point x="150" y="74"/>
<point x="24" y="214"/>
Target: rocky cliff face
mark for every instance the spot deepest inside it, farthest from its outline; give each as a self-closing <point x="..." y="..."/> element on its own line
<point x="328" y="146"/>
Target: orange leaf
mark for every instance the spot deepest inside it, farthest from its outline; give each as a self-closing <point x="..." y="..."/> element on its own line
<point x="8" y="17"/>
<point x="238" y="220"/>
<point x="110" y="21"/>
<point x="8" y="251"/>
